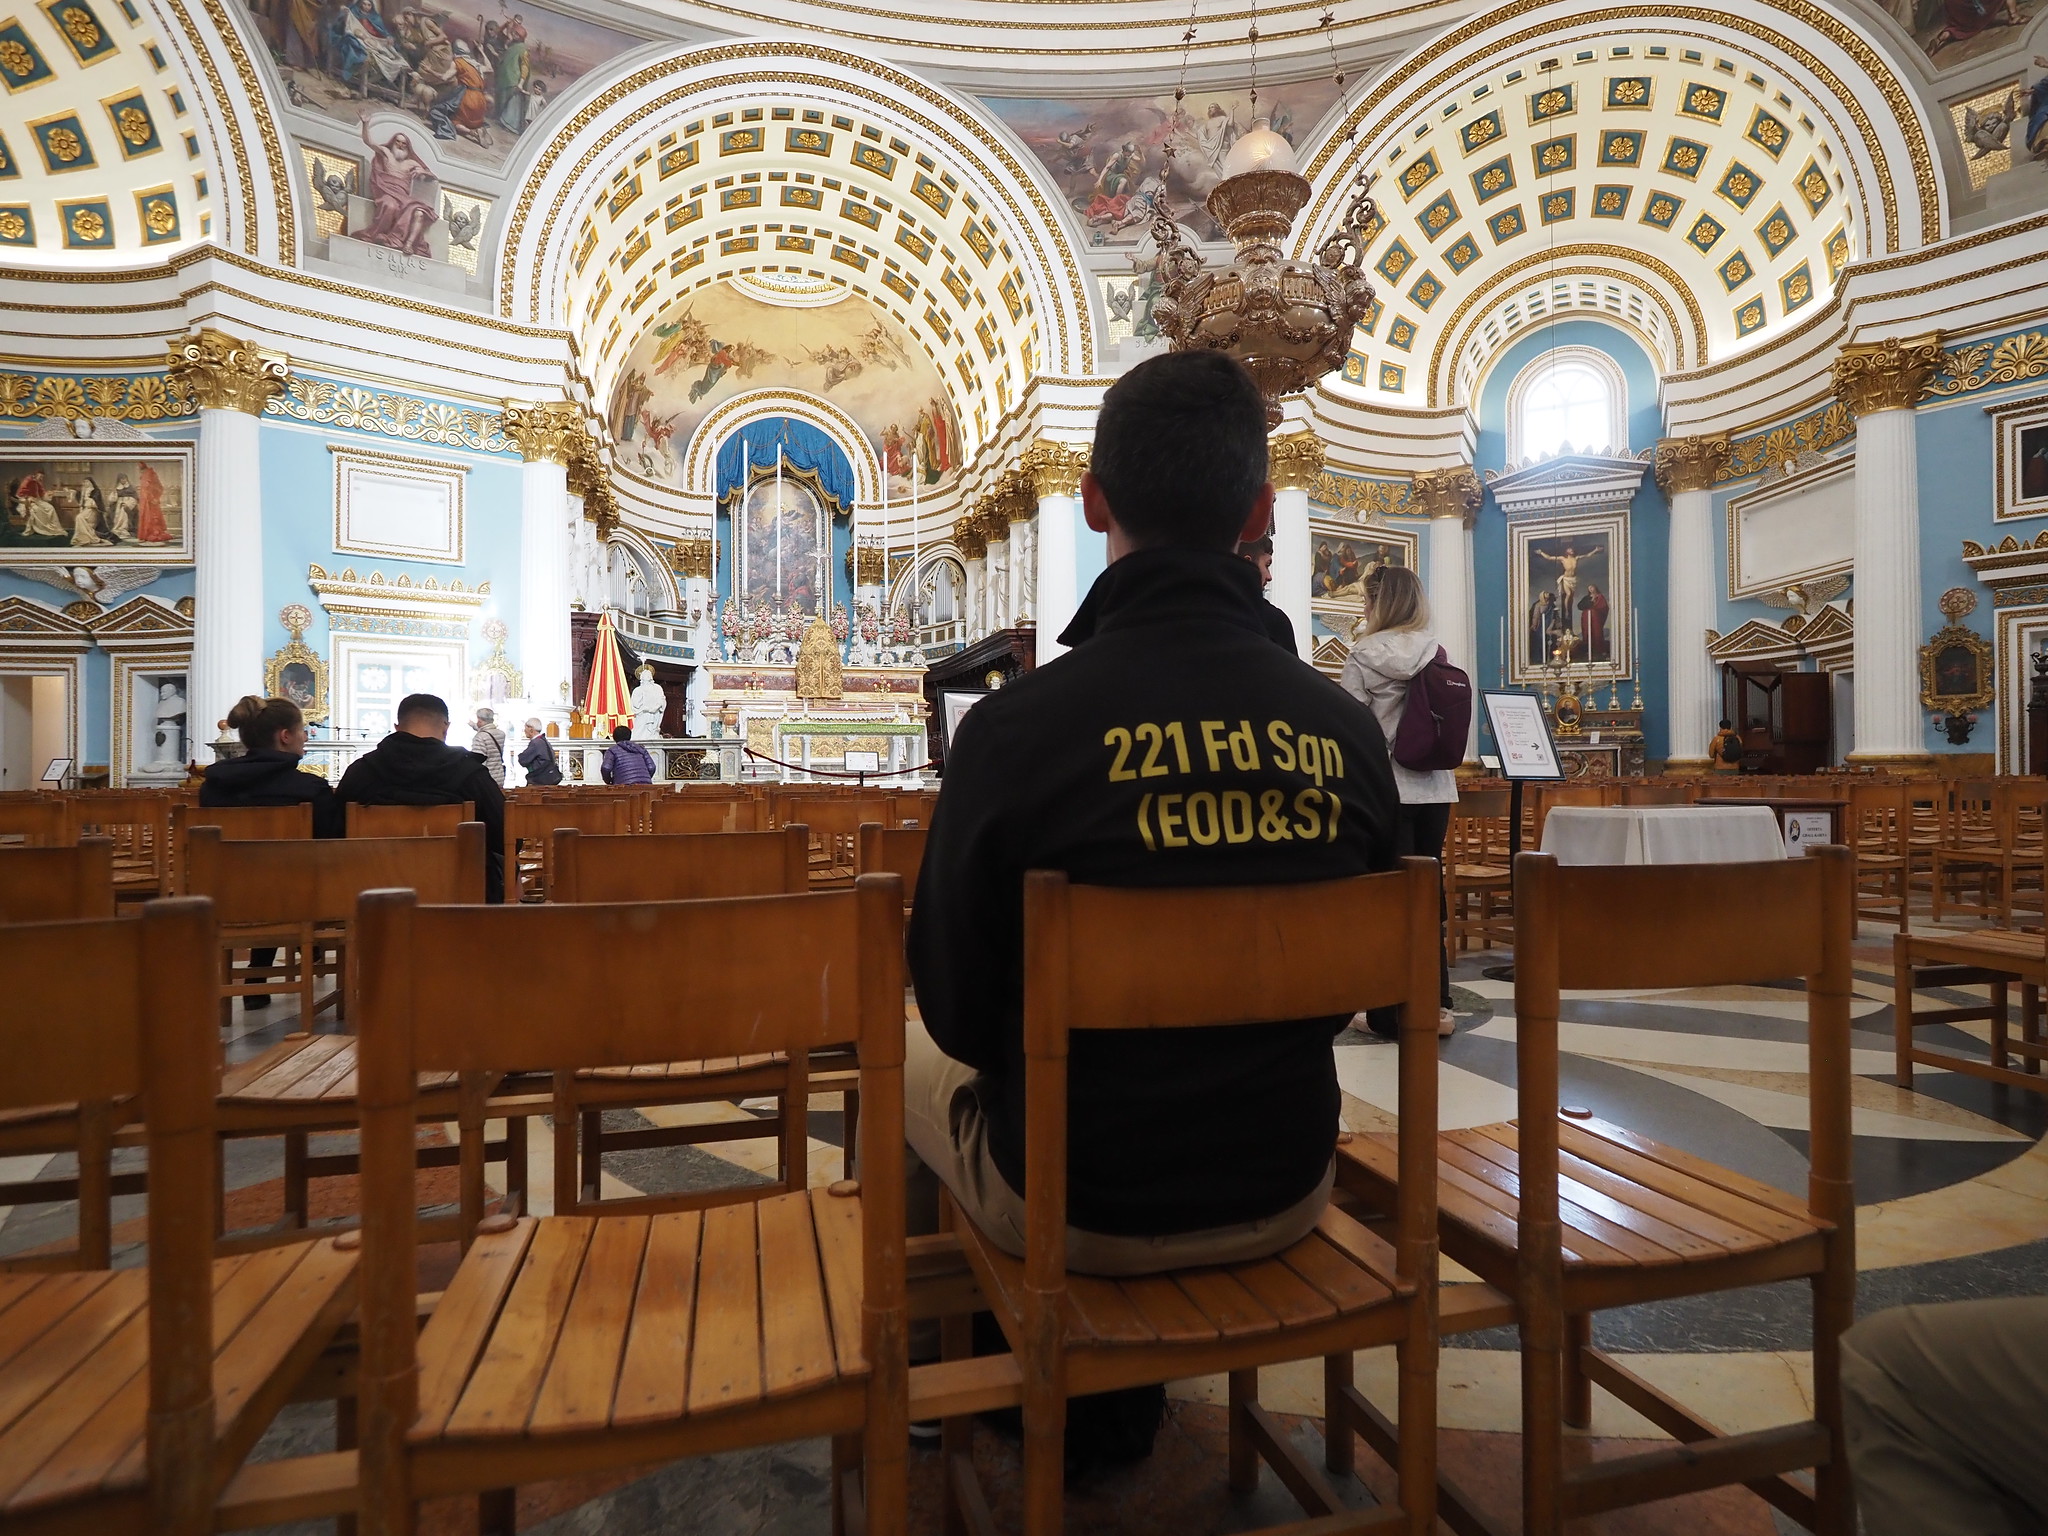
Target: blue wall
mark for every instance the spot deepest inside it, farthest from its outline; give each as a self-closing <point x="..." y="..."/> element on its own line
<point x="1649" y="515"/>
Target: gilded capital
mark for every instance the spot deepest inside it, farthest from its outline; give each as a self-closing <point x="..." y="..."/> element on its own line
<point x="1017" y="497"/>
<point x="601" y="504"/>
<point x="991" y="518"/>
<point x="1692" y="463"/>
<point x="1453" y="492"/>
<point x="1886" y="375"/>
<point x="867" y="565"/>
<point x="1054" y="469"/>
<point x="968" y="534"/>
<point x="692" y="558"/>
<point x="551" y="431"/>
<point x="1294" y="460"/>
<point x="218" y="372"/>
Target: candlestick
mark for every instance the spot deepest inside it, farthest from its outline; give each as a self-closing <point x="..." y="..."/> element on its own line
<point x="1503" y="651"/>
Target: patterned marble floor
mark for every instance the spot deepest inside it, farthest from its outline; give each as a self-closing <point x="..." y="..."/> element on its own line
<point x="1952" y="1184"/>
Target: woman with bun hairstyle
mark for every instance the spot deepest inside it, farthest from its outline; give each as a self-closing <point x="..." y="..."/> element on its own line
<point x="268" y="773"/>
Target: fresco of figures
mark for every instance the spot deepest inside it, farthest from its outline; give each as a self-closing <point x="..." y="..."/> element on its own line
<point x="104" y="508"/>
<point x="719" y="343"/>
<point x="474" y="79"/>
<point x="1120" y="160"/>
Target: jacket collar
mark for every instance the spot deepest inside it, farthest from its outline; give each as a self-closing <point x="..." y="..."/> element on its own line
<point x="1165" y="585"/>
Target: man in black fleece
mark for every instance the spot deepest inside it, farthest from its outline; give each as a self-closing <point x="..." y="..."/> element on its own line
<point x="414" y="765"/>
<point x="1175" y="745"/>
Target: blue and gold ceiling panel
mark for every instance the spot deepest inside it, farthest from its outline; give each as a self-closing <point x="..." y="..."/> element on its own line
<point x="1462" y="254"/>
<point x="1814" y="187"/>
<point x="1684" y="157"/>
<point x="1776" y="231"/>
<point x="21" y="62"/>
<point x="1795" y="288"/>
<point x="1739" y="185"/>
<point x="1506" y="224"/>
<point x="1427" y="289"/>
<point x="1401" y="333"/>
<point x="1621" y="146"/>
<point x="1418" y="174"/>
<point x="17" y="224"/>
<point x="1440" y="214"/>
<point x="1630" y="93"/>
<point x="1705" y="233"/>
<point x="1481" y="132"/>
<point x="80" y="27"/>
<point x="62" y="142"/>
<point x="1555" y="156"/>
<point x="1610" y="200"/>
<point x="1395" y="260"/>
<point x="88" y="224"/>
<point x="1750" y="317"/>
<point x="1736" y="271"/>
<point x="156" y="210"/>
<point x="1555" y="207"/>
<point x="1706" y="102"/>
<point x="1494" y="178"/>
<point x="1553" y="102"/>
<point x="1661" y="211"/>
<point x="134" y="129"/>
<point x="10" y="169"/>
<point x="1767" y="133"/>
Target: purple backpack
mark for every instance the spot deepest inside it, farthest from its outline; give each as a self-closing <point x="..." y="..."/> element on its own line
<point x="1436" y="720"/>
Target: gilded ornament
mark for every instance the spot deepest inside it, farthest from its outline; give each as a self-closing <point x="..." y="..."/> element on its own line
<point x="1550" y="103"/>
<point x="16" y="59"/>
<point x="66" y="146"/>
<point x="692" y="558"/>
<point x="1630" y="93"/>
<point x="967" y="534"/>
<point x="1294" y="460"/>
<point x="134" y="125"/>
<point x="1454" y="492"/>
<point x="80" y="27"/>
<point x="12" y="225"/>
<point x="1685" y="157"/>
<point x="818" y="672"/>
<point x="1055" y="468"/>
<point x="87" y="224"/>
<point x="216" y="371"/>
<point x="1703" y="100"/>
<point x="1967" y="369"/>
<point x="551" y="431"/>
<point x="1692" y="463"/>
<point x="160" y="216"/>
<point x="1886" y="375"/>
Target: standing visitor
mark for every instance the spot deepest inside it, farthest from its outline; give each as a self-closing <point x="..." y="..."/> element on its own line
<point x="489" y="744"/>
<point x="537" y="757"/>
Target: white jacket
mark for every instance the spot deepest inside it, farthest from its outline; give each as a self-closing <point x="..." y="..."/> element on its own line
<point x="1378" y="671"/>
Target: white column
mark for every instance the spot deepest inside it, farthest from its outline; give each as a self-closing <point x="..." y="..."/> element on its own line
<point x="999" y="583"/>
<point x="546" y="436"/>
<point x="1687" y="468"/>
<point x="1880" y="382"/>
<point x="1055" y="472"/>
<point x="1021" y="574"/>
<point x="229" y="381"/>
<point x="1451" y="499"/>
<point x="1294" y="460"/>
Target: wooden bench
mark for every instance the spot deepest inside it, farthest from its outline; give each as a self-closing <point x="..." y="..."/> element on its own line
<point x="237" y="823"/>
<point x="408" y="820"/>
<point x="31" y="821"/>
<point x="530" y="821"/>
<point x="897" y="851"/>
<point x="1996" y="959"/>
<point x="139" y="823"/>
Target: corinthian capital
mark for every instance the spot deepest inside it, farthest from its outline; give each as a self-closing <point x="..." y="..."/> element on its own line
<point x="1294" y="460"/>
<point x="1886" y="375"/>
<point x="692" y="557"/>
<point x="551" y="431"/>
<point x="969" y="535"/>
<point x="1453" y="492"/>
<point x="1692" y="463"/>
<point x="1054" y="469"/>
<point x="218" y="372"/>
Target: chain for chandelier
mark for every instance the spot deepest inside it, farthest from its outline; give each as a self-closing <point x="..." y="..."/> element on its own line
<point x="1328" y="22"/>
<point x="1254" y="35"/>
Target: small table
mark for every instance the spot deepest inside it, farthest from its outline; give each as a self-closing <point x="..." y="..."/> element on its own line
<point x="1800" y="820"/>
<point x="1663" y="834"/>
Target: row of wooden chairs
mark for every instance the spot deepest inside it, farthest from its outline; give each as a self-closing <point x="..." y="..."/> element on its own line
<point x="570" y="1345"/>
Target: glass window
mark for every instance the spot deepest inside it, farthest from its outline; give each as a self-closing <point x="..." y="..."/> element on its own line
<point x="1567" y="404"/>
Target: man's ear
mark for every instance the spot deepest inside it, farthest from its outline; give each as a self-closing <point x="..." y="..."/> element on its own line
<point x="1095" y="505"/>
<point x="1260" y="518"/>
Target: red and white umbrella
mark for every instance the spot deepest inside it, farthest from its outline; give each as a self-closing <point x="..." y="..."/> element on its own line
<point x="610" y="702"/>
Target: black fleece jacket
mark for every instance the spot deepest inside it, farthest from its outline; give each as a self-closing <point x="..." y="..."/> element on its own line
<point x="1175" y="745"/>
<point x="272" y="778"/>
<point x="414" y="770"/>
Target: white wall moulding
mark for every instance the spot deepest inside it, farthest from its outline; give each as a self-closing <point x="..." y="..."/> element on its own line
<point x="2021" y="478"/>
<point x="376" y="604"/>
<point x="390" y="504"/>
<point x="1794" y="529"/>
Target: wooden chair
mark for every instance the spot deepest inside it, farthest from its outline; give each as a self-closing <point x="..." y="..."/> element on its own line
<point x="896" y="851"/>
<point x="128" y="1398"/>
<point x="139" y="823"/>
<point x="1876" y="823"/>
<point x="1573" y="1216"/>
<point x="1996" y="959"/>
<point x="1479" y="899"/>
<point x="569" y="1345"/>
<point x="1098" y="958"/>
<point x="682" y="867"/>
<point x="1994" y="842"/>
<point x="30" y="821"/>
<point x="530" y="821"/>
<point x="237" y="823"/>
<point x="408" y="820"/>
<point x="703" y="813"/>
<point x="835" y="818"/>
<point x="59" y="884"/>
<point x="301" y="896"/>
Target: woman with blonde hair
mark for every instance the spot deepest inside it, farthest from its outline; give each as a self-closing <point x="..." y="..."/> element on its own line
<point x="1392" y="643"/>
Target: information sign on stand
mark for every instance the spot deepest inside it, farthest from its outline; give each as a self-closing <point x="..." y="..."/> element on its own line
<point x="1521" y="735"/>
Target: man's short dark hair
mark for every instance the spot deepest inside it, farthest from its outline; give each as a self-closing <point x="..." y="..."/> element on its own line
<point x="622" y="733"/>
<point x="422" y="704"/>
<point x="1251" y="549"/>
<point x="1180" y="449"/>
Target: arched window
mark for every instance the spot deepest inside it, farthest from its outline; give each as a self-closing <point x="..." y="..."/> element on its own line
<point x="1571" y="397"/>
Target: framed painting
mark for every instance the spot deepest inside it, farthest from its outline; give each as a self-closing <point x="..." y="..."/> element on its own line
<point x="66" y="505"/>
<point x="1341" y="555"/>
<point x="1568" y="597"/>
<point x="2022" y="453"/>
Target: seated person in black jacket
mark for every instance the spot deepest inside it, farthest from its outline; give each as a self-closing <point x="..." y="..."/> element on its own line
<point x="414" y="765"/>
<point x="1175" y="745"/>
<point x="268" y="773"/>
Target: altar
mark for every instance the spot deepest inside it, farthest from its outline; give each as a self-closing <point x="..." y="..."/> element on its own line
<point x="677" y="759"/>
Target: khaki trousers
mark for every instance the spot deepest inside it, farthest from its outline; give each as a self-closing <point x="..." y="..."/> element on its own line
<point x="1947" y="1410"/>
<point x="942" y="1121"/>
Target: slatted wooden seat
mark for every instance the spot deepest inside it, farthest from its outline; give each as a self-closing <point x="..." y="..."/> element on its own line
<point x="408" y="820"/>
<point x="530" y="821"/>
<point x="834" y="818"/>
<point x="1876" y="825"/>
<point x="1994" y="845"/>
<point x="1096" y="958"/>
<point x="570" y="1345"/>
<point x="1572" y="1216"/>
<point x="681" y="867"/>
<point x="138" y="821"/>
<point x="1479" y="902"/>
<point x="1995" y="959"/>
<point x="31" y="821"/>
<point x="45" y="885"/>
<point x="128" y="1399"/>
<point x="897" y="851"/>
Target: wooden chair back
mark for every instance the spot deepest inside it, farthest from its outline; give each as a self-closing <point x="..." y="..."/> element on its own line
<point x="47" y="885"/>
<point x="831" y="814"/>
<point x="237" y="823"/>
<point x="655" y="866"/>
<point x="530" y="823"/>
<point x="1096" y="957"/>
<point x="32" y="822"/>
<point x="704" y="813"/>
<point x="408" y="820"/>
<point x="139" y="822"/>
<point x="143" y="1026"/>
<point x="1878" y="819"/>
<point x="1630" y="927"/>
<point x="912" y="808"/>
<point x="317" y="880"/>
<point x="897" y="851"/>
<point x="477" y="990"/>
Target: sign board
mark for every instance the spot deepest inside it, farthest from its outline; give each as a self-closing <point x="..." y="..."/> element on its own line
<point x="956" y="702"/>
<point x="1521" y="731"/>
<point x="1804" y="830"/>
<point x="862" y="762"/>
<point x="59" y="769"/>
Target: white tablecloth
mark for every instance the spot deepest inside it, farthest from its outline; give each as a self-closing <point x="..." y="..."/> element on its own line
<point x="1662" y="834"/>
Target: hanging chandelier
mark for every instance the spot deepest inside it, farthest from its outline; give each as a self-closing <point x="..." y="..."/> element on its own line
<point x="1289" y="322"/>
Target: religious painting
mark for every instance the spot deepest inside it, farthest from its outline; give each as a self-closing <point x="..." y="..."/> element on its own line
<point x="1956" y="670"/>
<point x="1956" y="31"/>
<point x="721" y="342"/>
<point x="1341" y="555"/>
<point x="70" y="506"/>
<point x="1111" y="156"/>
<point x="1569" y="604"/>
<point x="476" y="80"/>
<point x="785" y="541"/>
<point x="2022" y="455"/>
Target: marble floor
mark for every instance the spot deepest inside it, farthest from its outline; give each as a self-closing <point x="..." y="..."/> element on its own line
<point x="1952" y="1185"/>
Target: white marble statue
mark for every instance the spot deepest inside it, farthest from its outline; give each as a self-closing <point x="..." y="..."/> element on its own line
<point x="697" y="722"/>
<point x="650" y="702"/>
<point x="170" y="725"/>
